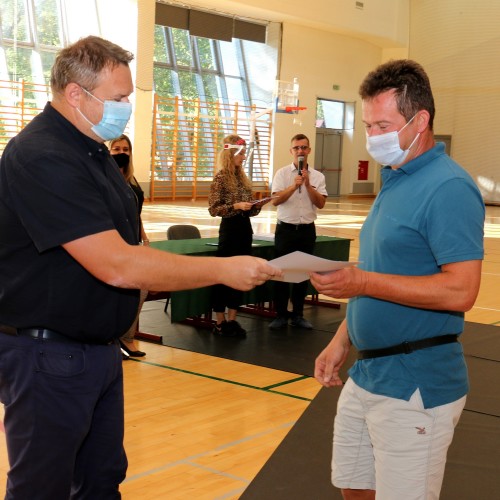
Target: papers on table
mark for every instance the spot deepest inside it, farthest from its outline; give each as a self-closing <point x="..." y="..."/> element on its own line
<point x="297" y="266"/>
<point x="263" y="236"/>
<point x="216" y="244"/>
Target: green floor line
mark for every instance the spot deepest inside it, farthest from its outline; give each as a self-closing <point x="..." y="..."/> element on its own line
<point x="291" y="381"/>
<point x="218" y="379"/>
<point x="302" y="398"/>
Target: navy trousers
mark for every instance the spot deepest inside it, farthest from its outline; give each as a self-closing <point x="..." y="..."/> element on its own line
<point x="64" y="419"/>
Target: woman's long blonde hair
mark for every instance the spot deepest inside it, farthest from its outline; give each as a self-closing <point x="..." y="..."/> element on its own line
<point x="128" y="171"/>
<point x="226" y="166"/>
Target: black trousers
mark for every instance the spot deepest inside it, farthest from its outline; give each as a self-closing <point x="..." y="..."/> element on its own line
<point x="64" y="419"/>
<point x="235" y="238"/>
<point x="289" y="238"/>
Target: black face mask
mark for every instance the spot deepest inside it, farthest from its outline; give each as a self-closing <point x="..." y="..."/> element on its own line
<point x="122" y="159"/>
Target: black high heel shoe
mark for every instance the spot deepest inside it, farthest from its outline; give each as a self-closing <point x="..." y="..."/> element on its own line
<point x="134" y="354"/>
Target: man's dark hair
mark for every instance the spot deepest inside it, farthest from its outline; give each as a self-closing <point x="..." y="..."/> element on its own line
<point x="300" y="137"/>
<point x="410" y="84"/>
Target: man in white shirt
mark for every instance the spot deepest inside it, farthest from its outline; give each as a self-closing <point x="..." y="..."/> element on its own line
<point x="300" y="191"/>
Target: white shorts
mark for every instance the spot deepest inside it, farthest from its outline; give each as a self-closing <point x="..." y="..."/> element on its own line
<point x="393" y="446"/>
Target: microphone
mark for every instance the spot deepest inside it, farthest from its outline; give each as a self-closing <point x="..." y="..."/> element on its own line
<point x="301" y="164"/>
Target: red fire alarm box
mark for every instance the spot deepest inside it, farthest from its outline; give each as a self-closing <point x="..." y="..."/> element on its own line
<point x="363" y="170"/>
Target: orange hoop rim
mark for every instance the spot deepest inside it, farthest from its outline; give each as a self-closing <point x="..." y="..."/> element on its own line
<point x="291" y="109"/>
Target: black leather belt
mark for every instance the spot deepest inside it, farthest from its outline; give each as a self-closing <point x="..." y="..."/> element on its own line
<point x="407" y="347"/>
<point x="295" y="226"/>
<point x="45" y="334"/>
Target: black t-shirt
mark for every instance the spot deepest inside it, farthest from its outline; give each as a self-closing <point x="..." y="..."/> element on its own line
<point x="58" y="185"/>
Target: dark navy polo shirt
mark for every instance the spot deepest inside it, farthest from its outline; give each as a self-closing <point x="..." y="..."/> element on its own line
<point x="58" y="185"/>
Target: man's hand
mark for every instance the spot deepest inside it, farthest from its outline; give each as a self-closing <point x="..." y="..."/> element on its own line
<point x="299" y="180"/>
<point x="329" y="362"/>
<point x="246" y="272"/>
<point x="343" y="284"/>
<point x="305" y="177"/>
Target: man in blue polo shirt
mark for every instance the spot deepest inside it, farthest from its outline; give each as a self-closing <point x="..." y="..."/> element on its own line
<point x="421" y="251"/>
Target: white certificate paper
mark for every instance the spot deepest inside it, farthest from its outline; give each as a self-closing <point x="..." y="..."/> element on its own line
<point x="297" y="266"/>
<point x="264" y="200"/>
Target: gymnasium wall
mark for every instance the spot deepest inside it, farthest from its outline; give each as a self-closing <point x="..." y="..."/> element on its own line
<point x="458" y="43"/>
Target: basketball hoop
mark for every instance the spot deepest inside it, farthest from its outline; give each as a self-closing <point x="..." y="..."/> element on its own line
<point x="294" y="110"/>
<point x="286" y="99"/>
<point x="286" y="96"/>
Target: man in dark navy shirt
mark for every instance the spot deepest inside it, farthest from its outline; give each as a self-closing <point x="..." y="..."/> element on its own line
<point x="70" y="271"/>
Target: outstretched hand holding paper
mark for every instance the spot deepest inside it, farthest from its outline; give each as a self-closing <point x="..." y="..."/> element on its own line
<point x="297" y="266"/>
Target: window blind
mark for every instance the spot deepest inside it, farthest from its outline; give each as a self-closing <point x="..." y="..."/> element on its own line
<point x="209" y="25"/>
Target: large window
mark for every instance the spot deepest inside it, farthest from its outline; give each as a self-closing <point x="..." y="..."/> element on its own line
<point x="213" y="90"/>
<point x="31" y="34"/>
<point x="33" y="31"/>
<point x="192" y="67"/>
<point x="205" y="87"/>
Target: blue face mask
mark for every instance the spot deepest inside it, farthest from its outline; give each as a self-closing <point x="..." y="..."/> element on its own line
<point x="114" y="118"/>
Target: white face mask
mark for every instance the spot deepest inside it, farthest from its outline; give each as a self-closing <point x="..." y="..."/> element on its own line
<point x="385" y="148"/>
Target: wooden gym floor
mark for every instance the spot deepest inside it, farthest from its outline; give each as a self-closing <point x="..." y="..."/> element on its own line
<point x="202" y="427"/>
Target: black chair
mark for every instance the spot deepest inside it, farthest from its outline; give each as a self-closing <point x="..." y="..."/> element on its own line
<point x="181" y="232"/>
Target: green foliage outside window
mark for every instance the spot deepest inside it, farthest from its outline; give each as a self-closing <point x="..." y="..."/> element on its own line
<point x="15" y="22"/>
<point x="206" y="53"/>
<point x="48" y="24"/>
<point x="182" y="48"/>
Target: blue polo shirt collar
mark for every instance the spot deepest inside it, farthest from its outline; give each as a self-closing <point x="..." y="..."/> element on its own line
<point x="415" y="164"/>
